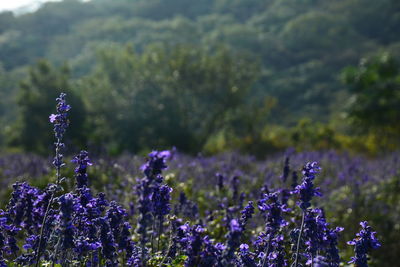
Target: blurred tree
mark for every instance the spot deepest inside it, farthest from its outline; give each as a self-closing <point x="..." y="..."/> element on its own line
<point x="301" y="46"/>
<point x="7" y="19"/>
<point x="241" y="9"/>
<point x="375" y="100"/>
<point x="36" y="101"/>
<point x="166" y="96"/>
<point x="313" y="34"/>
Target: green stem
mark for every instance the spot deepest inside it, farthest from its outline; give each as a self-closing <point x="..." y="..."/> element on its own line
<point x="266" y="252"/>
<point x="299" y="239"/>
<point x="160" y="228"/>
<point x="169" y="248"/>
<point x="58" y="176"/>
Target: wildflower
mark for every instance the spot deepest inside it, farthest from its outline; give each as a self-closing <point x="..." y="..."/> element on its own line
<point x="320" y="261"/>
<point x="220" y="181"/>
<point x="364" y="242"/>
<point x="125" y="237"/>
<point x="82" y="161"/>
<point x="306" y="189"/>
<point x="245" y="256"/>
<point x="161" y="201"/>
<point x="66" y="208"/>
<point x="211" y="253"/>
<point x="332" y="252"/>
<point x="244" y="248"/>
<point x="314" y="231"/>
<point x="269" y="243"/>
<point x="116" y="215"/>
<point x="156" y="163"/>
<point x="60" y="122"/>
<point x="272" y="210"/>
<point x="286" y="170"/>
<point x="108" y="245"/>
<point x="194" y="241"/>
<point x="247" y="213"/>
<point x="146" y="188"/>
<point x="233" y="240"/>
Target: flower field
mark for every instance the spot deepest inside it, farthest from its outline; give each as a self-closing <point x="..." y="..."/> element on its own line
<point x="171" y="209"/>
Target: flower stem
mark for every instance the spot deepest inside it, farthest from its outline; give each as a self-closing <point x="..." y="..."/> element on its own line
<point x="299" y="239"/>
<point x="46" y="214"/>
<point x="267" y="251"/>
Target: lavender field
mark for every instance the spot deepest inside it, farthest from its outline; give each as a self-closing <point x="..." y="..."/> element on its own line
<point x="212" y="133"/>
<point x="170" y="209"/>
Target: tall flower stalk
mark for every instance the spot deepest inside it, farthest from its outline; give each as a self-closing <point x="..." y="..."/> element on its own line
<point x="151" y="198"/>
<point x="269" y="242"/>
<point x="82" y="161"/>
<point x="60" y="122"/>
<point x="306" y="191"/>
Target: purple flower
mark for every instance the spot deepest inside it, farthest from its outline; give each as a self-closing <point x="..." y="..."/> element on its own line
<point x="269" y="243"/>
<point x="108" y="246"/>
<point x="286" y="170"/>
<point x="233" y="241"/>
<point x="82" y="161"/>
<point x="134" y="258"/>
<point x="364" y="242"/>
<point x="67" y="208"/>
<point x="247" y="213"/>
<point x="161" y="201"/>
<point x="245" y="256"/>
<point x="220" y="181"/>
<point x="244" y="248"/>
<point x="62" y="108"/>
<point x="306" y="189"/>
<point x="211" y="254"/>
<point x="272" y="210"/>
<point x="320" y="261"/>
<point x="332" y="252"/>
<point x="315" y="228"/>
<point x="60" y="123"/>
<point x="156" y="163"/>
<point x="125" y="237"/>
<point x="194" y="243"/>
<point x="151" y="199"/>
<point x="21" y="208"/>
<point x="116" y="217"/>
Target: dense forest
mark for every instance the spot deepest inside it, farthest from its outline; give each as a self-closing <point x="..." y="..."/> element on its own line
<point x="210" y="75"/>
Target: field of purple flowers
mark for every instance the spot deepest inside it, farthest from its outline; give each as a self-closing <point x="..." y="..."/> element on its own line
<point x="169" y="209"/>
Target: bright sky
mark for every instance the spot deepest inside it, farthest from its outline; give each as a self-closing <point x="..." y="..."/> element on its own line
<point x="16" y="4"/>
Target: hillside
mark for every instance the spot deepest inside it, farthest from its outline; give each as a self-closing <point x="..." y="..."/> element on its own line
<point x="298" y="48"/>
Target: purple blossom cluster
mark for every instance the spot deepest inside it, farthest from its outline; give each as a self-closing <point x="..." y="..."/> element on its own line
<point x="162" y="227"/>
<point x="60" y="122"/>
<point x="363" y="244"/>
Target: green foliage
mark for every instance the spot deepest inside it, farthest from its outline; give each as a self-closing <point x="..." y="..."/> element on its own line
<point x="35" y="102"/>
<point x="185" y="92"/>
<point x="370" y="202"/>
<point x="178" y="261"/>
<point x="300" y="47"/>
<point x="375" y="100"/>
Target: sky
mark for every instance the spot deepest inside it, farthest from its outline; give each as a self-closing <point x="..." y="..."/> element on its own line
<point x="18" y="4"/>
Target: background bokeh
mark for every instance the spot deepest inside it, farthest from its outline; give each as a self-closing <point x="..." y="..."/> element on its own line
<point x="255" y="76"/>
